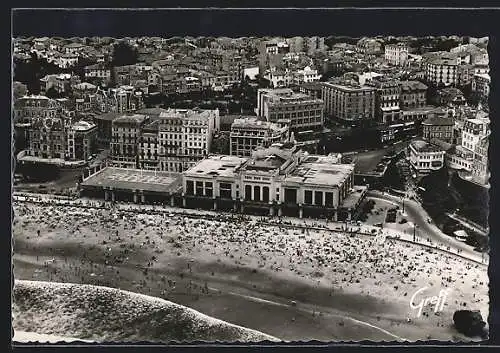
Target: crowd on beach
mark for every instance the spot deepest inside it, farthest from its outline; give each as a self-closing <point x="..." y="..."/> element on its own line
<point x="344" y="259"/>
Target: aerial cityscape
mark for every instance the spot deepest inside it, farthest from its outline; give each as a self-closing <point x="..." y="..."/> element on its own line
<point x="182" y="189"/>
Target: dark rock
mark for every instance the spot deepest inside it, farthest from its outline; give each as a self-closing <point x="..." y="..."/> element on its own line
<point x="469" y="322"/>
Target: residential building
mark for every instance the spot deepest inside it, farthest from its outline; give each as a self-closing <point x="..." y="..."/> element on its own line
<point x="276" y="47"/>
<point x="28" y="107"/>
<point x="149" y="146"/>
<point x="416" y="114"/>
<point x="306" y="75"/>
<point x="303" y="111"/>
<point x="480" y="166"/>
<point x="125" y="138"/>
<point x="123" y="99"/>
<point x="474" y="131"/>
<point x="425" y="157"/>
<point x="438" y="127"/>
<point x="314" y="44"/>
<point x="312" y="89"/>
<point x="481" y="86"/>
<point x="185" y="137"/>
<point x="98" y="73"/>
<point x="104" y="124"/>
<point x="441" y="70"/>
<point x="81" y="140"/>
<point x="279" y="180"/>
<point x="369" y="46"/>
<point x="413" y="94"/>
<point x="450" y="96"/>
<point x="387" y="98"/>
<point x="249" y="133"/>
<point x="348" y="101"/>
<point x="47" y="138"/>
<point x="61" y="83"/>
<point x="73" y="48"/>
<point x="396" y="54"/>
<point x="67" y="60"/>
<point x="465" y="73"/>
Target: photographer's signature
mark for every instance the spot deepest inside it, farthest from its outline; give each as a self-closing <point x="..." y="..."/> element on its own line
<point x="419" y="300"/>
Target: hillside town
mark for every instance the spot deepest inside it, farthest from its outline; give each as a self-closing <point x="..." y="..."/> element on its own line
<point x="377" y="135"/>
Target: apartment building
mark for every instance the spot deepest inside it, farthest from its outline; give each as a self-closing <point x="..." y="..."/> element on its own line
<point x="81" y="140"/>
<point x="149" y="146"/>
<point x="425" y="157"/>
<point x="98" y="73"/>
<point x="47" y="138"/>
<point x="413" y="94"/>
<point x="441" y="71"/>
<point x="387" y="99"/>
<point x="35" y="106"/>
<point x="125" y="138"/>
<point x="396" y="54"/>
<point x="348" y="101"/>
<point x="303" y="111"/>
<point x="185" y="137"/>
<point x="438" y="127"/>
<point x="472" y="141"/>
<point x="481" y="86"/>
<point x="249" y="133"/>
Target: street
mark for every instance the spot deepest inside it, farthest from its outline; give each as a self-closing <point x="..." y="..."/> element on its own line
<point x="419" y="216"/>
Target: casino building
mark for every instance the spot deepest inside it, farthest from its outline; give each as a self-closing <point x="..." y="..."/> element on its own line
<point x="279" y="180"/>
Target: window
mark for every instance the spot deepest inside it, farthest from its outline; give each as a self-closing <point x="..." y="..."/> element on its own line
<point x="248" y="192"/>
<point x="265" y="194"/>
<point x="290" y="195"/>
<point x="329" y="199"/>
<point x="199" y="187"/>
<point x="318" y="198"/>
<point x="189" y="187"/>
<point x="308" y="197"/>
<point x="256" y="193"/>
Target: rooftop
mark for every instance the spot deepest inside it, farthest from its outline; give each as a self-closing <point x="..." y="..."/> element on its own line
<point x="422" y="146"/>
<point x="135" y="179"/>
<point x="218" y="165"/>
<point x="83" y="125"/>
<point x="85" y="86"/>
<point x="320" y="170"/>
<point x="253" y="123"/>
<point x="412" y="86"/>
<point x="348" y="86"/>
<point x="437" y="120"/>
<point x="135" y="118"/>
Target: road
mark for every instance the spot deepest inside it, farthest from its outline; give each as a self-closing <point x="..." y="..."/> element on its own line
<point x="467" y="224"/>
<point x="419" y="216"/>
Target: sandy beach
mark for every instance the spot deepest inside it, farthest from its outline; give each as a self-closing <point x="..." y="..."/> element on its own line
<point x="319" y="285"/>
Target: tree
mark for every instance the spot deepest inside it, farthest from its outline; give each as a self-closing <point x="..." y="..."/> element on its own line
<point x="124" y="54"/>
<point x="52" y="93"/>
<point x="220" y="143"/>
